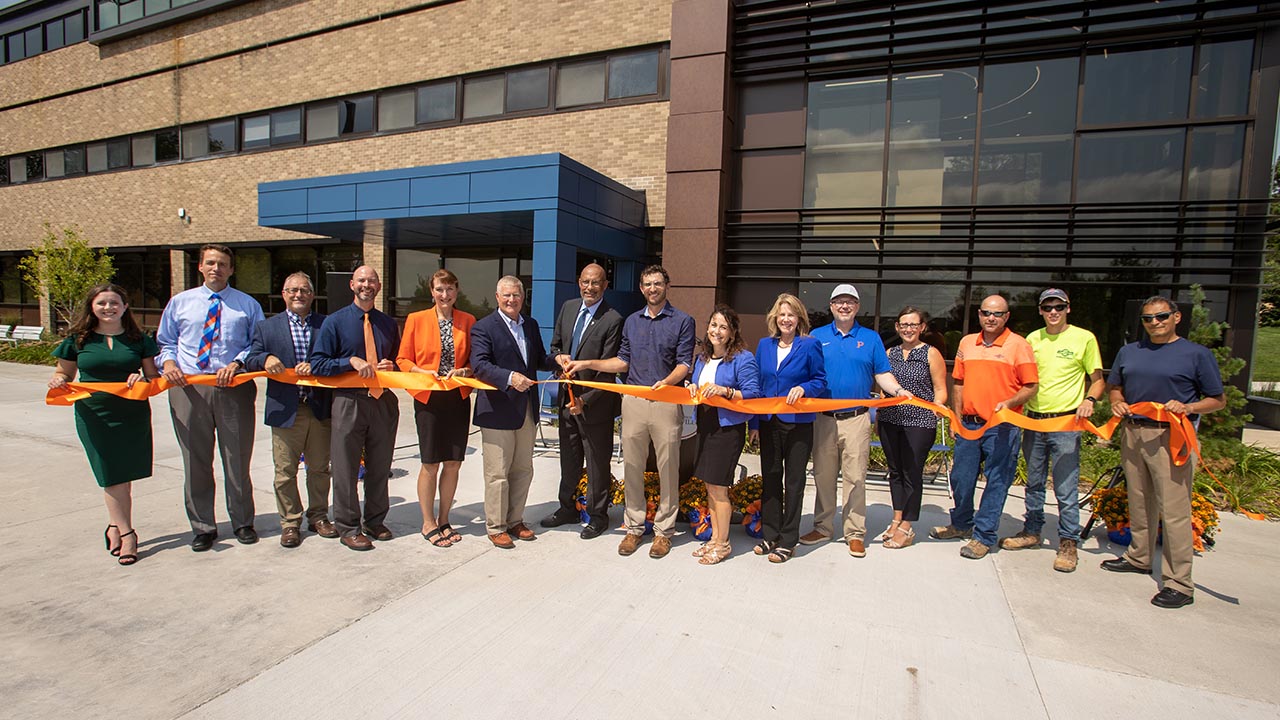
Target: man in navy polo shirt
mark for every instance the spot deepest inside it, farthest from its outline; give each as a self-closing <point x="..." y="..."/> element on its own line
<point x="854" y="356"/>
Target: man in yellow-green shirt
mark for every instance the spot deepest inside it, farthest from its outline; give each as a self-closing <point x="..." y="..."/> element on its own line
<point x="1070" y="369"/>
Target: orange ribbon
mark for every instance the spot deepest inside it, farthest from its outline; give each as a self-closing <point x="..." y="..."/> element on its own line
<point x="73" y="391"/>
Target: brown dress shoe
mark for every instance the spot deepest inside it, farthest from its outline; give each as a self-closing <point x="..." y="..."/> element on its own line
<point x="521" y="532"/>
<point x="661" y="546"/>
<point x="323" y="528"/>
<point x="813" y="537"/>
<point x="357" y="542"/>
<point x="501" y="540"/>
<point x="378" y="532"/>
<point x="290" y="537"/>
<point x="857" y="548"/>
<point x="630" y="543"/>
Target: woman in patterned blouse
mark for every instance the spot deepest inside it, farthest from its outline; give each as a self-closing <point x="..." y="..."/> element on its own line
<point x="437" y="341"/>
<point x="906" y="431"/>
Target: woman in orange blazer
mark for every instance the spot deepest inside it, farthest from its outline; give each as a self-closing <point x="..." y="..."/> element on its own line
<point x="437" y="341"/>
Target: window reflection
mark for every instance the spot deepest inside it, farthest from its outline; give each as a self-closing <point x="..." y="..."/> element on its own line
<point x="1216" y="155"/>
<point x="932" y="126"/>
<point x="1137" y="86"/>
<point x="1028" y="119"/>
<point x="414" y="268"/>
<point x="1223" y="76"/>
<point x="1137" y="166"/>
<point x="844" y="166"/>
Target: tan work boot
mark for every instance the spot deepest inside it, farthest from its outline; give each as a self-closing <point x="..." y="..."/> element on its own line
<point x="630" y="543"/>
<point x="1066" y="560"/>
<point x="661" y="546"/>
<point x="950" y="532"/>
<point x="1021" y="541"/>
<point x="974" y="550"/>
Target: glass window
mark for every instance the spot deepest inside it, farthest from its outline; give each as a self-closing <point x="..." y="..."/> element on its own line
<point x="1136" y="166"/>
<point x="16" y="46"/>
<point x="1028" y="124"/>
<point x="1216" y="156"/>
<point x="117" y="154"/>
<point x="395" y="109"/>
<point x="35" y="166"/>
<point x="355" y="115"/>
<point x="322" y="122"/>
<point x="1222" y="81"/>
<point x="4" y="171"/>
<point x="286" y="126"/>
<point x="482" y="97"/>
<point x="108" y="14"/>
<point x="633" y="75"/>
<point x="17" y="170"/>
<point x="151" y="7"/>
<point x="73" y="28"/>
<point x="580" y="83"/>
<point x="195" y="141"/>
<point x="527" y="89"/>
<point x="437" y="103"/>
<point x="97" y="156"/>
<point x="144" y="150"/>
<point x="845" y="143"/>
<point x="478" y="272"/>
<point x="221" y="136"/>
<point x="73" y="160"/>
<point x="414" y="267"/>
<point x="53" y="34"/>
<point x="1137" y="86"/>
<point x="253" y="271"/>
<point x="255" y="132"/>
<point x="932" y="128"/>
<point x="53" y="164"/>
<point x="34" y="40"/>
<point x="130" y="11"/>
<point x="166" y="146"/>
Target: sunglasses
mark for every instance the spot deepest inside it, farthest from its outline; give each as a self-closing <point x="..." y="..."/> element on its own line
<point x="1053" y="308"/>
<point x="1157" y="317"/>
<point x="993" y="313"/>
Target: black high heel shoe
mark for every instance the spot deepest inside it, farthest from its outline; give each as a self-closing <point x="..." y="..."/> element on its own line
<point x="132" y="558"/>
<point x="106" y="538"/>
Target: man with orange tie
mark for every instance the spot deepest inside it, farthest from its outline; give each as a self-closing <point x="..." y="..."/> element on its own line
<point x="361" y="338"/>
<point x="206" y="331"/>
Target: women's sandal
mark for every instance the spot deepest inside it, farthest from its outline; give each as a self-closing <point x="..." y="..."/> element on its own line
<point x="106" y="538"/>
<point x="764" y="547"/>
<point x="908" y="537"/>
<point x="130" y="558"/>
<point x="701" y="549"/>
<point x="781" y="555"/>
<point x="888" y="534"/>
<point x="453" y="536"/>
<point x="715" y="554"/>
<point x="437" y="537"/>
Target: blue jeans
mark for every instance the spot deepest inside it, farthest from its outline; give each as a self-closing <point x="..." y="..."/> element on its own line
<point x="1058" y="452"/>
<point x="996" y="453"/>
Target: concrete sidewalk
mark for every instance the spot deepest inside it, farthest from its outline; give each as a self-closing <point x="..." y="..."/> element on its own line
<point x="562" y="627"/>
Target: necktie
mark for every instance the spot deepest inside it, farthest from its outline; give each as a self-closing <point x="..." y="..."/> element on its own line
<point x="578" y="329"/>
<point x="212" y="328"/>
<point x="371" y="354"/>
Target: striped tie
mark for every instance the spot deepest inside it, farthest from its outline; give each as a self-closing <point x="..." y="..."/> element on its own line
<point x="212" y="328"/>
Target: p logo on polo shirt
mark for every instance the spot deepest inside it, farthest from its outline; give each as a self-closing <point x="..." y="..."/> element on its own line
<point x="860" y="343"/>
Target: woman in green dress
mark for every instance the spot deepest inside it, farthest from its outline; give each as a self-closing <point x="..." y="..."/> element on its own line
<point x="105" y="344"/>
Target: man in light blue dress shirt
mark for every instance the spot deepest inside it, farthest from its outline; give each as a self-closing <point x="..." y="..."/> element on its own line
<point x="207" y="331"/>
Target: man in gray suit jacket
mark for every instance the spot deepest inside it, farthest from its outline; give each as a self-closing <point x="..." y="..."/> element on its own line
<point x="298" y="415"/>
<point x="586" y="329"/>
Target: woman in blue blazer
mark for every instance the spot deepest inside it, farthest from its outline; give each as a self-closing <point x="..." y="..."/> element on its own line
<point x="791" y="366"/>
<point x="724" y="368"/>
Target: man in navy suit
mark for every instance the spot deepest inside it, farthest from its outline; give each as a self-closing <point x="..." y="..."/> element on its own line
<point x="507" y="352"/>
<point x="298" y="416"/>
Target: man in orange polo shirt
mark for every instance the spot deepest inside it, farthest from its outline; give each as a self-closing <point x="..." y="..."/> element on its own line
<point x="995" y="369"/>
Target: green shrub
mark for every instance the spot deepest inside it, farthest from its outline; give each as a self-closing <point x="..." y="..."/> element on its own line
<point x="39" y="353"/>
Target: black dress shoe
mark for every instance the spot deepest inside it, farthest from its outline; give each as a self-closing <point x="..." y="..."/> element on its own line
<point x="378" y="532"/>
<point x="1121" y="565"/>
<point x="203" y="541"/>
<point x="593" y="530"/>
<point x="246" y="535"/>
<point x="560" y="517"/>
<point x="1170" y="598"/>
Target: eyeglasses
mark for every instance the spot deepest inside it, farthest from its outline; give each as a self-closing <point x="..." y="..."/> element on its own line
<point x="297" y="291"/>
<point x="843" y="303"/>
<point x="910" y="326"/>
<point x="993" y="313"/>
<point x="1157" y="317"/>
<point x="1053" y="308"/>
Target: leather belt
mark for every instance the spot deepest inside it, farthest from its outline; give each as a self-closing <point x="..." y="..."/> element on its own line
<point x="1145" y="422"/>
<point x="1045" y="416"/>
<point x="845" y="414"/>
<point x="975" y="419"/>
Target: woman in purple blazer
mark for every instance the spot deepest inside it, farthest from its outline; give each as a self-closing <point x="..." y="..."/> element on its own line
<point x="791" y="366"/>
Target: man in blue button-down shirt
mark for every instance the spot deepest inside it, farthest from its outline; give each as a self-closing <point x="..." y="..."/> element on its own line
<point x="656" y="350"/>
<point x="207" y="330"/>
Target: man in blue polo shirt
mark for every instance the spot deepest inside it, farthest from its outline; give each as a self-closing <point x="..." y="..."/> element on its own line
<point x="854" y="356"/>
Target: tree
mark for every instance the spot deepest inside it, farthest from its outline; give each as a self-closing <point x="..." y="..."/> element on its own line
<point x="63" y="267"/>
<point x="1226" y="424"/>
<point x="1269" y="304"/>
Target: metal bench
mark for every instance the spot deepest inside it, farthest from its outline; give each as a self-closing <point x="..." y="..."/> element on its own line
<point x="26" y="333"/>
<point x="4" y="334"/>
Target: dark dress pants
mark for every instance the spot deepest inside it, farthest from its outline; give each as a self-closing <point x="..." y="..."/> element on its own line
<point x="592" y="443"/>
<point x="200" y="413"/>
<point x="362" y="423"/>
<point x="784" y="456"/>
<point x="906" y="448"/>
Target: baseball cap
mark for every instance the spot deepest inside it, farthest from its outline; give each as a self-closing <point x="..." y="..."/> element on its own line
<point x="845" y="289"/>
<point x="1054" y="293"/>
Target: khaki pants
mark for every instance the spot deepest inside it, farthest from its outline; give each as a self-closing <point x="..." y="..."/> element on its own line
<point x="645" y="421"/>
<point x="309" y="437"/>
<point x="841" y="446"/>
<point x="1158" y="491"/>
<point x="508" y="472"/>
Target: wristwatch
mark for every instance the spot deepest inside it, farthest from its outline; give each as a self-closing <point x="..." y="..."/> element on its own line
<point x="1091" y="399"/>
